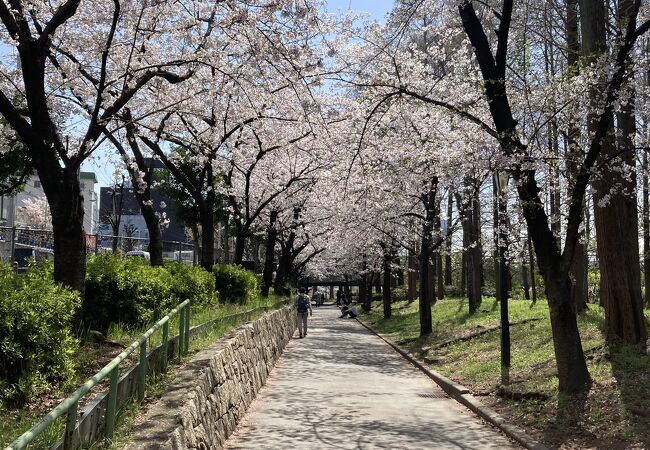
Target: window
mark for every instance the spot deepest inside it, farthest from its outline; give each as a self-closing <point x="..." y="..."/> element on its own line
<point x="37" y="184"/>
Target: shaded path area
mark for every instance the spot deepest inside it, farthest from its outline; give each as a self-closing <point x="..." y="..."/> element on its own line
<point x="343" y="388"/>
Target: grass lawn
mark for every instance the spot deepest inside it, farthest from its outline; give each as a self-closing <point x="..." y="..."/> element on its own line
<point x="615" y="414"/>
<point x="91" y="357"/>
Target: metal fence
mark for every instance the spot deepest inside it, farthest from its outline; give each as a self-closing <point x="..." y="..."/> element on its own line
<point x="41" y="243"/>
<point x="98" y="419"/>
<point x="69" y="406"/>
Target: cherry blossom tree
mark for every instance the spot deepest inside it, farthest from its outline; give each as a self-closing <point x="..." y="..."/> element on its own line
<point x="69" y="68"/>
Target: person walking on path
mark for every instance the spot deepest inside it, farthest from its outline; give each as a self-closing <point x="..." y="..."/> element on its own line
<point x="303" y="305"/>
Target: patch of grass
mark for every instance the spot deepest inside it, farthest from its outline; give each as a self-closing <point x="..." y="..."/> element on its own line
<point x="616" y="412"/>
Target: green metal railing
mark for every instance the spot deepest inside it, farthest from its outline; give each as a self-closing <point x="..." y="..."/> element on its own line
<point x="69" y="406"/>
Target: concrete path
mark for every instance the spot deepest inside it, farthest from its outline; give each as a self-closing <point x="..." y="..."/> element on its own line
<point x="343" y="388"/>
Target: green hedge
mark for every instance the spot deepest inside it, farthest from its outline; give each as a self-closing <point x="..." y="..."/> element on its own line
<point x="131" y="292"/>
<point x="235" y="284"/>
<point x="36" y="341"/>
<point x="193" y="283"/>
<point x="125" y="290"/>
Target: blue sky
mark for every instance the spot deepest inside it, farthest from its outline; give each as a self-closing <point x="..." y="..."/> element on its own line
<point x="376" y="8"/>
<point x="102" y="163"/>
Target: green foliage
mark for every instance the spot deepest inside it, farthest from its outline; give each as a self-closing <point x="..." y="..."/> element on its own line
<point x="399" y="293"/>
<point x="127" y="291"/>
<point x="235" y="284"/>
<point x="193" y="283"/>
<point x="36" y="342"/>
<point x="15" y="162"/>
<point x="187" y="210"/>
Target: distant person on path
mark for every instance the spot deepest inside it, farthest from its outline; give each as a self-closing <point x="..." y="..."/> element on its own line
<point x="338" y="297"/>
<point x="303" y="305"/>
<point x="350" y="312"/>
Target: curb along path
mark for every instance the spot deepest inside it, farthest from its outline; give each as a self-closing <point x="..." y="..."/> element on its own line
<point x="342" y="387"/>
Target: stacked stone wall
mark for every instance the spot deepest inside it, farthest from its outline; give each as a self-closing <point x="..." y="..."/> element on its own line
<point x="209" y="396"/>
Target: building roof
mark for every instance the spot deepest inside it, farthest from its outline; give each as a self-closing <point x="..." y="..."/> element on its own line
<point x="88" y="176"/>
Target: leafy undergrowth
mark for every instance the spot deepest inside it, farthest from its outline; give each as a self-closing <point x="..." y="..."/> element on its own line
<point x="91" y="357"/>
<point x="616" y="412"/>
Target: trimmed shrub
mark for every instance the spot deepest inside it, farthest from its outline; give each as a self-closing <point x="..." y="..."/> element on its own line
<point x="36" y="341"/>
<point x="125" y="290"/>
<point x="193" y="283"/>
<point x="235" y="284"/>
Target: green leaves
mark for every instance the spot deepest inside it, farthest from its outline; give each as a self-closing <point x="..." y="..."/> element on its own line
<point x="36" y="340"/>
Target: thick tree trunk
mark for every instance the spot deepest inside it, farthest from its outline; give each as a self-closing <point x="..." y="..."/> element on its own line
<point x="426" y="279"/>
<point x="269" y="257"/>
<point x="616" y="222"/>
<point x="566" y="339"/>
<point x="574" y="153"/>
<point x="67" y="209"/>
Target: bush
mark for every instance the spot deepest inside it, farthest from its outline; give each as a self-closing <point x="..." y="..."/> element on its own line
<point x="36" y="341"/>
<point x="234" y="283"/>
<point x="193" y="283"/>
<point x="127" y="291"/>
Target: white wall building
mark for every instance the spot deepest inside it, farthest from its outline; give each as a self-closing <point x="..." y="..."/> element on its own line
<point x="34" y="190"/>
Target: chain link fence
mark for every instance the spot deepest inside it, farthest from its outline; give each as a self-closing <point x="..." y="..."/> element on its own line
<point x="18" y="245"/>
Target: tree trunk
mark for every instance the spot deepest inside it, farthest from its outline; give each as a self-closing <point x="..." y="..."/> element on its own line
<point x="554" y="265"/>
<point x="566" y="339"/>
<point x="616" y="222"/>
<point x="524" y="275"/>
<point x="364" y="298"/>
<point x="437" y="255"/>
<point x="197" y="243"/>
<point x="475" y="254"/>
<point x="579" y="291"/>
<point x="240" y="243"/>
<point x="206" y="216"/>
<point x="495" y="238"/>
<point x="412" y="276"/>
<point x="646" y="220"/>
<point x="448" y="238"/>
<point x="645" y="171"/>
<point x="269" y="257"/>
<point x="531" y="264"/>
<point x="67" y="209"/>
<point x="386" y="282"/>
<point x="226" y="239"/>
<point x="426" y="281"/>
<point x="142" y="193"/>
<point x="154" y="248"/>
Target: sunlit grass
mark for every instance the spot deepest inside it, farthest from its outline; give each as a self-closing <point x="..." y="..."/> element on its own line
<point x="617" y="410"/>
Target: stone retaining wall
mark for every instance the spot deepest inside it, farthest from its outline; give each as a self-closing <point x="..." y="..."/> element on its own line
<point x="207" y="398"/>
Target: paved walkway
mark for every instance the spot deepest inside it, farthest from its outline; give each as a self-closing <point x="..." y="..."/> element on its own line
<point x="343" y="388"/>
